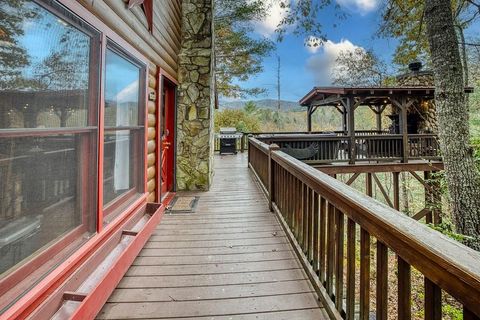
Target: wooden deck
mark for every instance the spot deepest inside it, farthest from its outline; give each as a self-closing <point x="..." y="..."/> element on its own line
<point x="228" y="260"/>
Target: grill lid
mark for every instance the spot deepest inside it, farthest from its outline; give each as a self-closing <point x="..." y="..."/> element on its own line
<point x="228" y="130"/>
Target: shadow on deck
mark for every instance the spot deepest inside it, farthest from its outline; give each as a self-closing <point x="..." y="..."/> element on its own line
<point x="229" y="260"/>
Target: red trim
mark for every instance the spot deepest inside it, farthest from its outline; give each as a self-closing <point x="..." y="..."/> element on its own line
<point x="24" y="306"/>
<point x="101" y="136"/>
<point x="95" y="300"/>
<point x="167" y="198"/>
<point x="158" y="136"/>
<point x="168" y="76"/>
<point x="145" y="131"/>
<point x="18" y="275"/>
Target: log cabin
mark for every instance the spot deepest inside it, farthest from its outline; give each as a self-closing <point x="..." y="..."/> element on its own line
<point x="89" y="96"/>
<point x="106" y="114"/>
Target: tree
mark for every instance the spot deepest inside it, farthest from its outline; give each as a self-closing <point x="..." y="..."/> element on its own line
<point x="13" y="57"/>
<point x="404" y="20"/>
<point x="250" y="107"/>
<point x="359" y="68"/>
<point x="238" y="119"/>
<point x="462" y="175"/>
<point x="238" y="54"/>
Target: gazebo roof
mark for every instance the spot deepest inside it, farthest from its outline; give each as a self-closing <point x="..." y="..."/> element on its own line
<point x="330" y="95"/>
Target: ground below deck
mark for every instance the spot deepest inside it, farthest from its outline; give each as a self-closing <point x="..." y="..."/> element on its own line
<point x="228" y="260"/>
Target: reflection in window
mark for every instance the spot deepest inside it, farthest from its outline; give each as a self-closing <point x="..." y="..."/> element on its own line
<point x="122" y="153"/>
<point x="47" y="179"/>
<point x="44" y="69"/>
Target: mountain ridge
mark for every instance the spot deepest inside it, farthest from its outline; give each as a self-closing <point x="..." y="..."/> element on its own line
<point x="285" y="105"/>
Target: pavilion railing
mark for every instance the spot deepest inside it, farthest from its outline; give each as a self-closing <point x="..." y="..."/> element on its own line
<point x="242" y="143"/>
<point x="338" y="232"/>
<point x="336" y="147"/>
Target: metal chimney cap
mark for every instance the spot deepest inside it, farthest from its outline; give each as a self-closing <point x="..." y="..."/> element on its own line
<point x="415" y="66"/>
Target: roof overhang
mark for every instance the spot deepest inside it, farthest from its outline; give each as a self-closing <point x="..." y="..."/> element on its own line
<point x="328" y="95"/>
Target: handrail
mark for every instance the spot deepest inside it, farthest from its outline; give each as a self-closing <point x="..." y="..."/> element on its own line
<point x="315" y="208"/>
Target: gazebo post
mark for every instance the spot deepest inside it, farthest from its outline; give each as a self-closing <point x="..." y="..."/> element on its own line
<point x="351" y="128"/>
<point x="344" y="120"/>
<point x="379" y="118"/>
<point x="404" y="129"/>
<point x="309" y="118"/>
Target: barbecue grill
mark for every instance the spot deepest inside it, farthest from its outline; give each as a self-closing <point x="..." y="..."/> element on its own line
<point x="228" y="140"/>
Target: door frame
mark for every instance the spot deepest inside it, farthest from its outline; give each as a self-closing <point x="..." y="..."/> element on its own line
<point x="161" y="78"/>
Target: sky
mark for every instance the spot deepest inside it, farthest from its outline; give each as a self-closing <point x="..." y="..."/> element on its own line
<point x="304" y="67"/>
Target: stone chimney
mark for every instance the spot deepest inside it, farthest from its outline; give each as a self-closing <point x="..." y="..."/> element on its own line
<point x="424" y="110"/>
<point x="416" y="77"/>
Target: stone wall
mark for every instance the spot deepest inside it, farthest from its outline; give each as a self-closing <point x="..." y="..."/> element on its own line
<point x="428" y="122"/>
<point x="195" y="97"/>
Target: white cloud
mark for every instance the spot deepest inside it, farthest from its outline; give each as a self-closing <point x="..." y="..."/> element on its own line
<point x="324" y="63"/>
<point x="275" y="15"/>
<point x="362" y="6"/>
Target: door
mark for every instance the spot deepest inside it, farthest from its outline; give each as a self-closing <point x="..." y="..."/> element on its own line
<point x="167" y="132"/>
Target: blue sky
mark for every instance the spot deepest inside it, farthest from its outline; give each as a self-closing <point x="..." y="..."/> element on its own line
<point x="302" y="68"/>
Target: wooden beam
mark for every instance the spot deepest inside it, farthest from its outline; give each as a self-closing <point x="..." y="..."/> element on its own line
<point x="382" y="190"/>
<point x="353" y="178"/>
<point x="379" y="167"/>
<point x="351" y="129"/>
<point x="420" y="214"/>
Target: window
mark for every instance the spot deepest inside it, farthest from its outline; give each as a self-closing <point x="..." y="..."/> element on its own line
<point x="48" y="129"/>
<point x="124" y="130"/>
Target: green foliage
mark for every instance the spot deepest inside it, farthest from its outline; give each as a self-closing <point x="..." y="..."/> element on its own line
<point x="250" y="107"/>
<point x="13" y="57"/>
<point x="360" y="68"/>
<point x="404" y="20"/>
<point x="238" y="55"/>
<point x="447" y="228"/>
<point x="452" y="312"/>
<point x="238" y="119"/>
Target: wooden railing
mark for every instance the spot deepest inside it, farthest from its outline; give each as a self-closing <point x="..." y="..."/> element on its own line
<point x="242" y="143"/>
<point x="334" y="228"/>
<point x="336" y="147"/>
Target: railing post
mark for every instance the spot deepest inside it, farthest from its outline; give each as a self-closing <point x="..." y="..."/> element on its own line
<point x="272" y="147"/>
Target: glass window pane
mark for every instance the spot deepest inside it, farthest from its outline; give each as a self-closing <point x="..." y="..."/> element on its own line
<point x="49" y="70"/>
<point x="121" y="91"/>
<point x="118" y="164"/>
<point x="123" y="148"/>
<point x="47" y="188"/>
<point x="44" y="69"/>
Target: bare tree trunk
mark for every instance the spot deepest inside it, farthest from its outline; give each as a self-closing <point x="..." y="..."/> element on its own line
<point x="463" y="178"/>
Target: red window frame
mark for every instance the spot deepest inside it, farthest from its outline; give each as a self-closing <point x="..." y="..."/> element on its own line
<point x="51" y="278"/>
<point x="115" y="207"/>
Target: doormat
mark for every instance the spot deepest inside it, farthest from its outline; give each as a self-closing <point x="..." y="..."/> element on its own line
<point x="183" y="204"/>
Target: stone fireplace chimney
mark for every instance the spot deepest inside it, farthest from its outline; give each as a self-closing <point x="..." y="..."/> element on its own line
<point x="424" y="110"/>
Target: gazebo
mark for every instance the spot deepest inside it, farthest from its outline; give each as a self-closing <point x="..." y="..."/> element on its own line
<point x="412" y="110"/>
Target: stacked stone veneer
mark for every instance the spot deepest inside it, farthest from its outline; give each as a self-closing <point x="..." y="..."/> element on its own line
<point x="195" y="97"/>
<point x="425" y="108"/>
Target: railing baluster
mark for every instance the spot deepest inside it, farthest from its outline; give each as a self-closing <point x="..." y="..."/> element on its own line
<point x="340" y="259"/>
<point x="404" y="290"/>
<point x="351" y="261"/>
<point x="433" y="301"/>
<point x="382" y="281"/>
<point x="316" y="238"/>
<point x="323" y="234"/>
<point x="364" y="275"/>
<point x="310" y="226"/>
<point x="305" y="219"/>
<point x="330" y="247"/>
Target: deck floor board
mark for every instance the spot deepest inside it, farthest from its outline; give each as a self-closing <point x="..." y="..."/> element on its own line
<point x="228" y="260"/>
